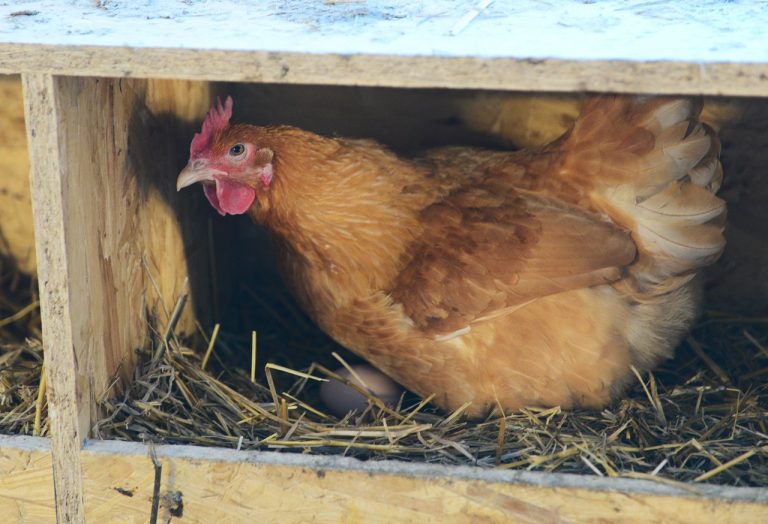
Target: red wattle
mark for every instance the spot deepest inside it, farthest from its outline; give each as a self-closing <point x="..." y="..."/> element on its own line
<point x="229" y="197"/>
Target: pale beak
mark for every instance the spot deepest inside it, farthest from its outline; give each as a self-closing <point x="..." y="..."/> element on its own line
<point x="196" y="171"/>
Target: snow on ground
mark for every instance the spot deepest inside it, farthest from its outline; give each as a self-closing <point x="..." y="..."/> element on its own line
<point x="697" y="30"/>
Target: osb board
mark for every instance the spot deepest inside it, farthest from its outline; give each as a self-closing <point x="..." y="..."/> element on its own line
<point x="219" y="485"/>
<point x="17" y="238"/>
<point x="101" y="208"/>
<point x="26" y="483"/>
<point x="704" y="46"/>
<point x="109" y="160"/>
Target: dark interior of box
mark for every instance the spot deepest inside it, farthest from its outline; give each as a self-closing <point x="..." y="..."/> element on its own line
<point x="700" y="411"/>
<point x="22" y="410"/>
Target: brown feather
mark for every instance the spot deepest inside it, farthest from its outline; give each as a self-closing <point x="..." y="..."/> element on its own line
<point x="484" y="250"/>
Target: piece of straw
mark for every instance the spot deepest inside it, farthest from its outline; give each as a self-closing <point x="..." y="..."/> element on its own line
<point x="211" y="343"/>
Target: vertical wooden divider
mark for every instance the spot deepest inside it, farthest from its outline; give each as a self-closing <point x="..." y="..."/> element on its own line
<point x="100" y="206"/>
<point x="67" y="384"/>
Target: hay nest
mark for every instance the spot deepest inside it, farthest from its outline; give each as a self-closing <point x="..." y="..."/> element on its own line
<point x="22" y="401"/>
<point x="700" y="417"/>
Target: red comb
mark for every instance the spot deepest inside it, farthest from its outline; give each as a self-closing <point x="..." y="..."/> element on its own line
<point x="217" y="119"/>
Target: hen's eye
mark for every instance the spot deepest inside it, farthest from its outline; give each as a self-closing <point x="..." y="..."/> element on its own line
<point x="237" y="150"/>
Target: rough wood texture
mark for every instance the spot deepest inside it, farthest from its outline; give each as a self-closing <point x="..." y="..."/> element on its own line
<point x="26" y="485"/>
<point x="394" y="71"/>
<point x="216" y="485"/>
<point x="702" y="30"/>
<point x="101" y="206"/>
<point x="699" y="46"/>
<point x="69" y="401"/>
<point x="219" y="485"/>
<point x="101" y="202"/>
<point x="17" y="239"/>
<point x="173" y="225"/>
<point x="119" y="165"/>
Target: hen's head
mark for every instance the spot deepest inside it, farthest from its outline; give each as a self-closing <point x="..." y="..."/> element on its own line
<point x="227" y="161"/>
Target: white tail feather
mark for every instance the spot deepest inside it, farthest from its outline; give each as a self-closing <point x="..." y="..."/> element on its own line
<point x="659" y="182"/>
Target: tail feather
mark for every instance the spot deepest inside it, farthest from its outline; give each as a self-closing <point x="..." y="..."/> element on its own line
<point x="685" y="151"/>
<point x="708" y="174"/>
<point x="657" y="114"/>
<point x="653" y="167"/>
<point x="683" y="202"/>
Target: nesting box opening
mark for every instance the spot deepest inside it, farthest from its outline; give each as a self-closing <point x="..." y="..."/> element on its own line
<point x="698" y="417"/>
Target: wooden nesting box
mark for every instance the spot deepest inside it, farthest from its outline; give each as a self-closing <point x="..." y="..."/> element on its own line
<point x="104" y="84"/>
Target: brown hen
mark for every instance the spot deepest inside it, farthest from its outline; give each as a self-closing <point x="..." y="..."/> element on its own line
<point x="531" y="278"/>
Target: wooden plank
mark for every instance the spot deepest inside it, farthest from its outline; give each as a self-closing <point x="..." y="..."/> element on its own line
<point x="68" y="382"/>
<point x="659" y="77"/>
<point x="103" y="196"/>
<point x="173" y="226"/>
<point x="119" y="150"/>
<point x="17" y="239"/>
<point x="26" y="483"/>
<point x="613" y="45"/>
<point x="219" y="485"/>
<point x="97" y="270"/>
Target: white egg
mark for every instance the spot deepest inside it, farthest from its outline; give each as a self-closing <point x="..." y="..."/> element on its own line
<point x="341" y="399"/>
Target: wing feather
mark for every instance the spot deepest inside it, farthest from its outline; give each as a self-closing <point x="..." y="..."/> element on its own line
<point x="489" y="249"/>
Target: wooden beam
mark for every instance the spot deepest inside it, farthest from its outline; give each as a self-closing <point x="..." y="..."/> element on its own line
<point x="26" y="484"/>
<point x="65" y="358"/>
<point x="106" y="171"/>
<point x="613" y="45"/>
<point x="104" y="156"/>
<point x="219" y="485"/>
<point x="657" y="77"/>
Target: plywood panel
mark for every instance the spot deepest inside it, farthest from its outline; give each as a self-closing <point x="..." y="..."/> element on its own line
<point x="26" y="483"/>
<point x="173" y="225"/>
<point x="67" y="354"/>
<point x="615" y="45"/>
<point x="103" y="164"/>
<point x="523" y="74"/>
<point x="217" y="485"/>
<point x="17" y="239"/>
<point x="210" y="485"/>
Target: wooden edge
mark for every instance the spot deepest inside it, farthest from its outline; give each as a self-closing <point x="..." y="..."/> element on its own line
<point x="214" y="484"/>
<point x="717" y="78"/>
<point x="222" y="485"/>
<point x="26" y="483"/>
<point x="69" y="421"/>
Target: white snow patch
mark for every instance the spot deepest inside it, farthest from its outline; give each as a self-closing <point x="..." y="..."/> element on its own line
<point x="698" y="31"/>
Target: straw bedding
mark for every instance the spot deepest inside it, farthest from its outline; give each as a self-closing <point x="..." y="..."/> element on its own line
<point x="22" y="404"/>
<point x="700" y="417"/>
